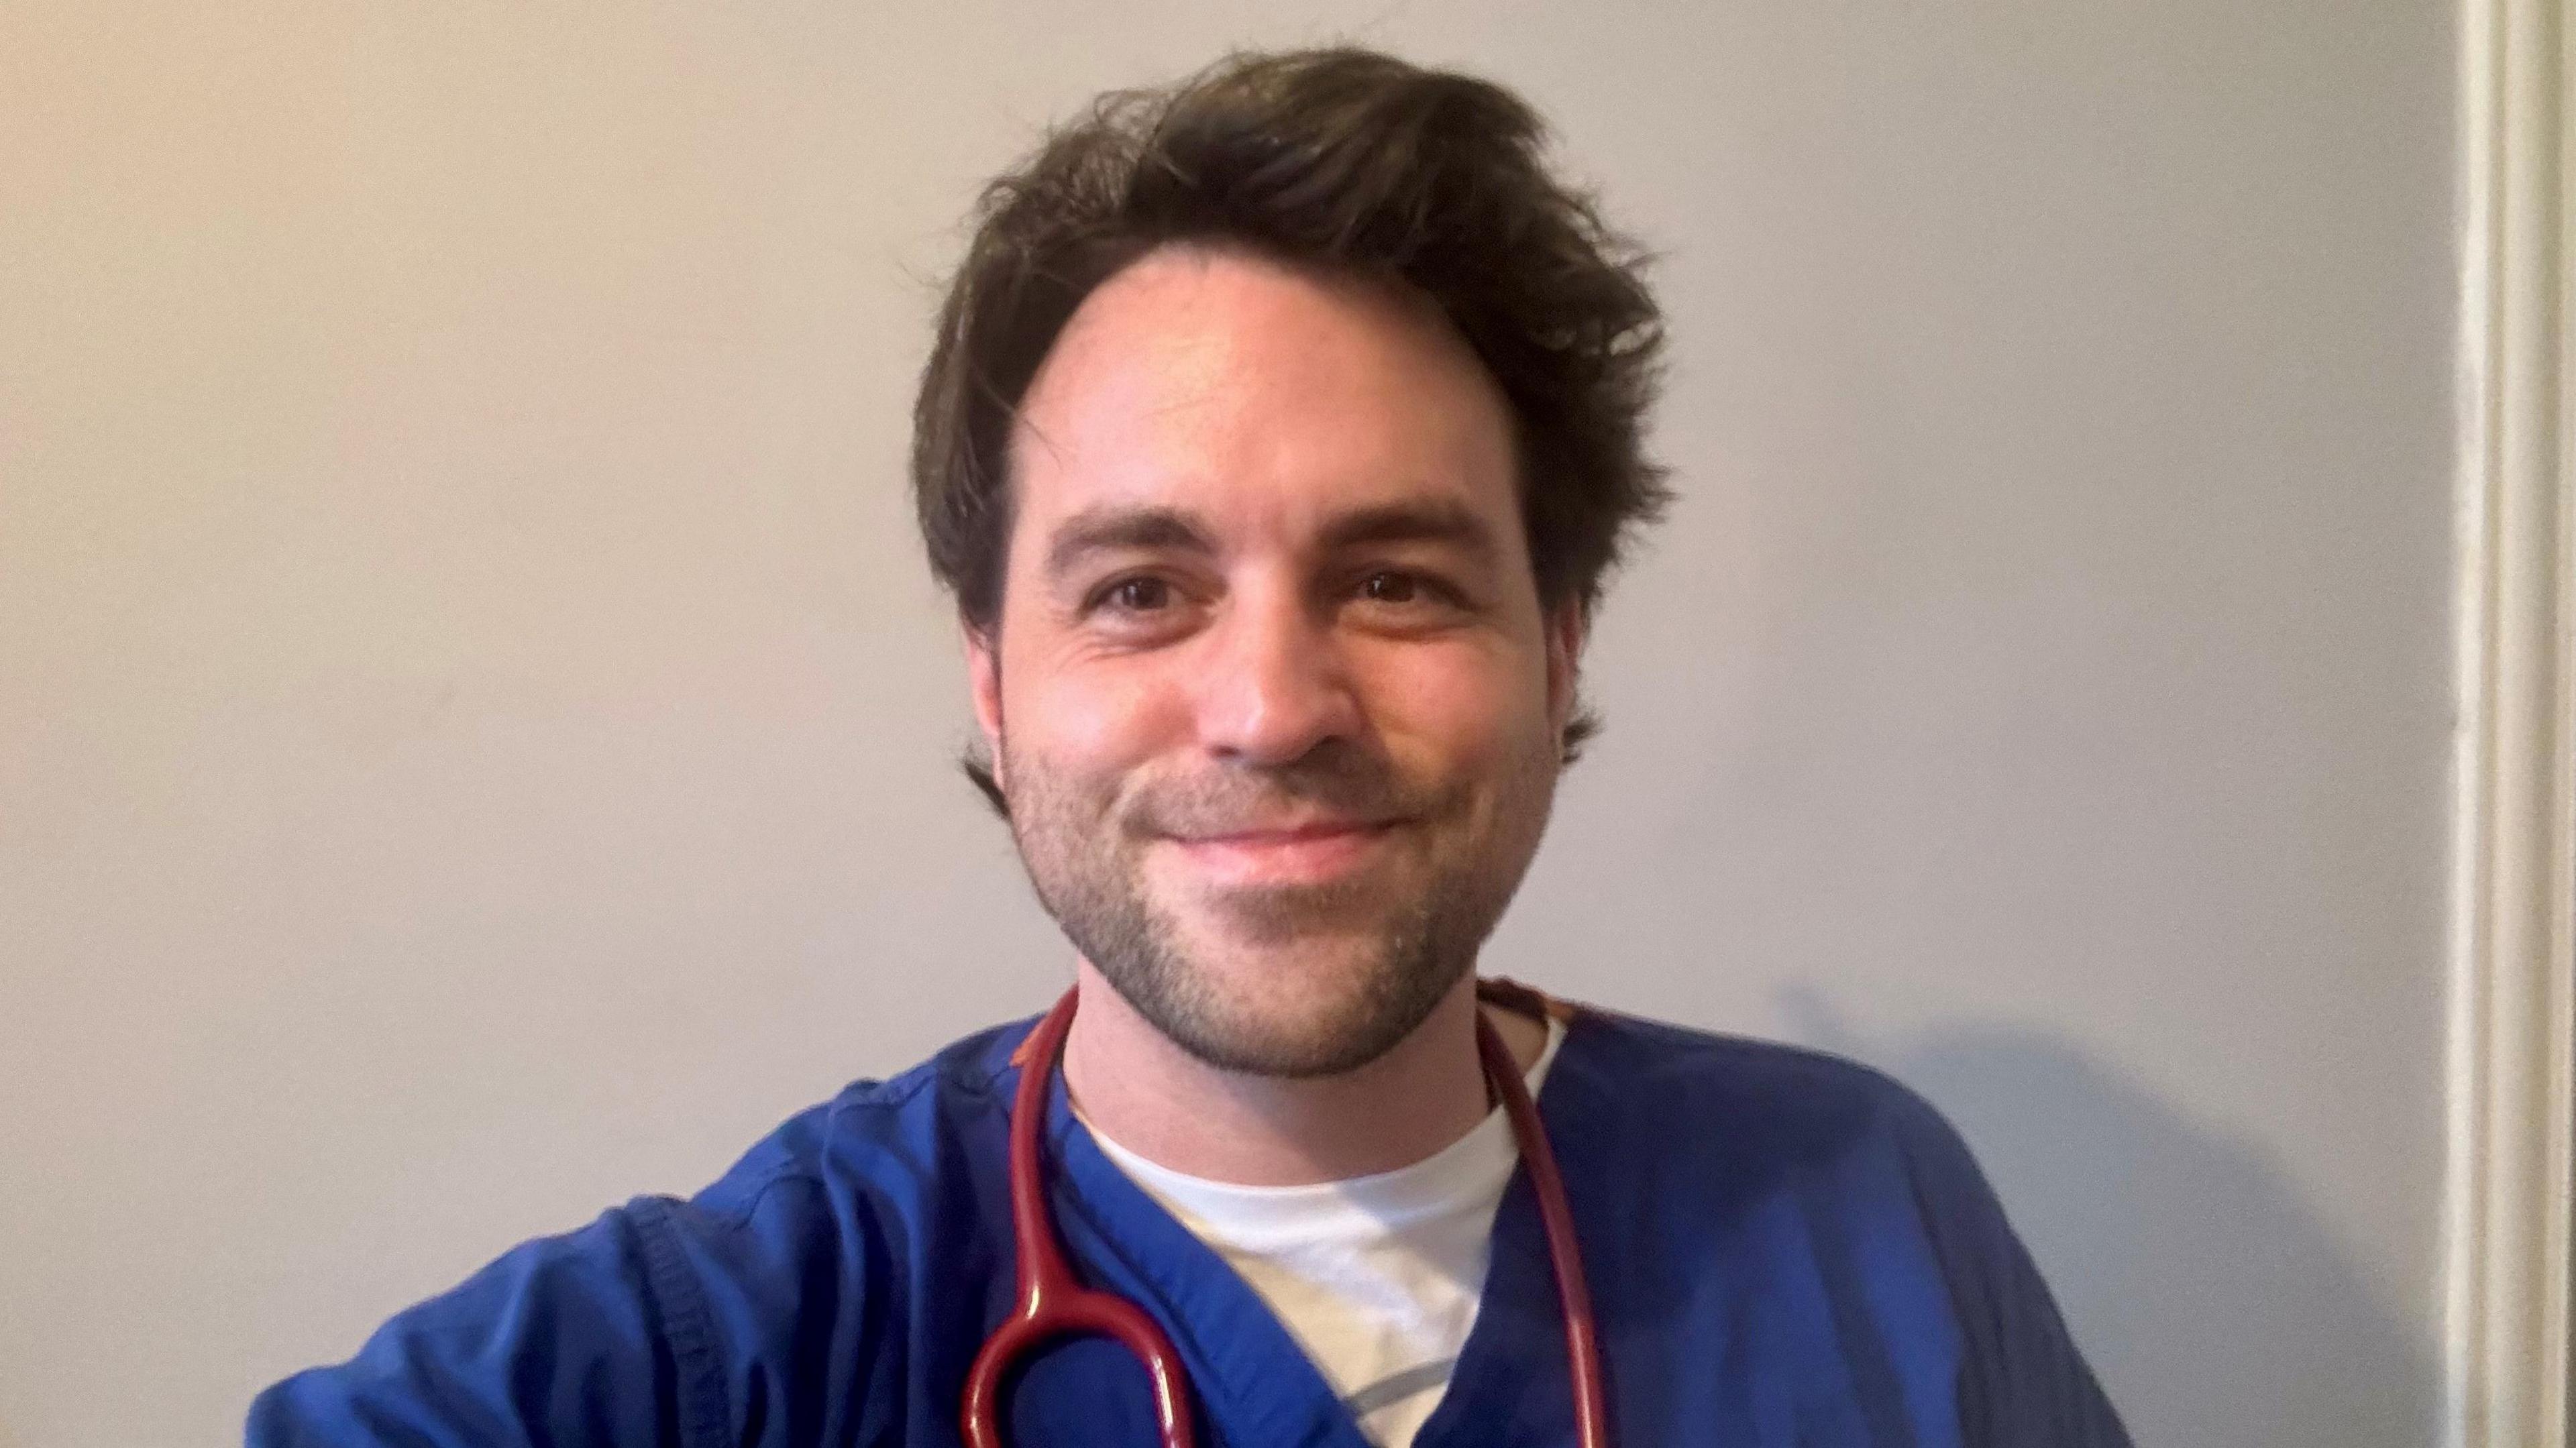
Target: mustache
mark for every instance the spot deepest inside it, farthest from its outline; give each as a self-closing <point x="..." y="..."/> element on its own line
<point x="1347" y="785"/>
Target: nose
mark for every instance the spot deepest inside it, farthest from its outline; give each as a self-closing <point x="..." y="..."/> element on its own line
<point x="1275" y="684"/>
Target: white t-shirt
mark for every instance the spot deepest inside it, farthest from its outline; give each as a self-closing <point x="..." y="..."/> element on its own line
<point x="1377" y="1277"/>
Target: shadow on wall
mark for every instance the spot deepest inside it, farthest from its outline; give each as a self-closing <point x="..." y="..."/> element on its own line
<point x="2216" y="1307"/>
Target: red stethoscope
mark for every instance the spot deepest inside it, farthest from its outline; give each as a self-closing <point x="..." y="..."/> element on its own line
<point x="1053" y="1304"/>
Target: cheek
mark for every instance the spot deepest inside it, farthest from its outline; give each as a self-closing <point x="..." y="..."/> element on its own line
<point x="1084" y="719"/>
<point x="1458" y="712"/>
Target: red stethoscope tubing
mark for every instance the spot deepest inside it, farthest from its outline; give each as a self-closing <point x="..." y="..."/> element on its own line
<point x="1053" y="1305"/>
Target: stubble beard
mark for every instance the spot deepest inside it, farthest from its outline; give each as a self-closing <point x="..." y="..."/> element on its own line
<point x="1085" y="858"/>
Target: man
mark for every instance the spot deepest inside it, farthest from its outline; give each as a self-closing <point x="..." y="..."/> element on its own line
<point x="1278" y="434"/>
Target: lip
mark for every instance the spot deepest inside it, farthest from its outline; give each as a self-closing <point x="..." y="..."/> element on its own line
<point x="1297" y="854"/>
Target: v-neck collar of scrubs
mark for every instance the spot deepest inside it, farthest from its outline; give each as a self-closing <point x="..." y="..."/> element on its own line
<point x="1254" y="1383"/>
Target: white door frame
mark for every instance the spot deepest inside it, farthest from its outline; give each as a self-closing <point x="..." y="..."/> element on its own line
<point x="2512" y="966"/>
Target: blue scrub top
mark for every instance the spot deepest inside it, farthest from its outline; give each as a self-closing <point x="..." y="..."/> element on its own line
<point x="1784" y="1249"/>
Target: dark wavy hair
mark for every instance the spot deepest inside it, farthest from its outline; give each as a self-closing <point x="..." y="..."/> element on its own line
<point x="1348" y="163"/>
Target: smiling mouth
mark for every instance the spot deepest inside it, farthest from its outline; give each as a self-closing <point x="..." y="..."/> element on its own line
<point x="1306" y="854"/>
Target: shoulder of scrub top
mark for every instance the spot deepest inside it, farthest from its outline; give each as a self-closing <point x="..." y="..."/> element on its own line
<point x="885" y="1133"/>
<point x="1760" y="1121"/>
<point x="1711" y="1126"/>
<point x="644" y="1326"/>
<point x="1764" y="1095"/>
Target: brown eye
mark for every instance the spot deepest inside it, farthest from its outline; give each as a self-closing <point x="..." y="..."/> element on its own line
<point x="1388" y="588"/>
<point x="1138" y="595"/>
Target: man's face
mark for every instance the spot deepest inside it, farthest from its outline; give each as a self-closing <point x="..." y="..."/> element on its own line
<point x="1273" y="698"/>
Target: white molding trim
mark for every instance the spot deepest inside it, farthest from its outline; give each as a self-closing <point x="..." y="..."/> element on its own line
<point x="2512" y="954"/>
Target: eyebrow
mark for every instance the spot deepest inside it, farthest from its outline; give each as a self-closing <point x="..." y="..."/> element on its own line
<point x="1114" y="528"/>
<point x="1440" y="521"/>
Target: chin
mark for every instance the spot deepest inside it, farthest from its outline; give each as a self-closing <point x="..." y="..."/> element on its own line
<point x="1323" y="1005"/>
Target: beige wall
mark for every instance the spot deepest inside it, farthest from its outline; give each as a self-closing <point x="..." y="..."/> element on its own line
<point x="474" y="725"/>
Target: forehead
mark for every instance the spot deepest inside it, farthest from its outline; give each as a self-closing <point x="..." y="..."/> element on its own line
<point x="1260" y="396"/>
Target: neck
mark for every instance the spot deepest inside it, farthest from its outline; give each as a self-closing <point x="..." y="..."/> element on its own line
<point x="1171" y="1108"/>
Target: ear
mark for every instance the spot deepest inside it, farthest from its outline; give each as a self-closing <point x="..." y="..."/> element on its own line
<point x="984" y="683"/>
<point x="1567" y="626"/>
